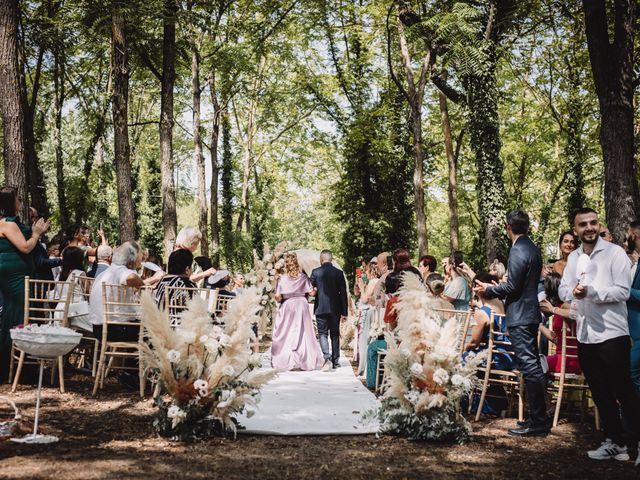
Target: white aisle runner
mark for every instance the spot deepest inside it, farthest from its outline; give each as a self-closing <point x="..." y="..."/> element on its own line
<point x="313" y="403"/>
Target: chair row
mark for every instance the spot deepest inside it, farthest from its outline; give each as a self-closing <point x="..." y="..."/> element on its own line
<point x="49" y="301"/>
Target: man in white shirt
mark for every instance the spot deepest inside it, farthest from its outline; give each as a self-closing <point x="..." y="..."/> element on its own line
<point x="598" y="289"/>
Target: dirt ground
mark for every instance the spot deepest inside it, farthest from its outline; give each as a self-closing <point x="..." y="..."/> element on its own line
<point x="112" y="437"/>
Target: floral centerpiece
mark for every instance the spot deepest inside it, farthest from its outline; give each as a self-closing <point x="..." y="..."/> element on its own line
<point x="207" y="374"/>
<point x="425" y="375"/>
<point x="264" y="277"/>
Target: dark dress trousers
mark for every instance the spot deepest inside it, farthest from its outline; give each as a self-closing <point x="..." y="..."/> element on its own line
<point x="330" y="305"/>
<point x="520" y="292"/>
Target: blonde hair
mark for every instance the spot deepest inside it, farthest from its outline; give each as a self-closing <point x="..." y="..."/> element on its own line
<point x="291" y="265"/>
<point x="373" y="271"/>
<point x="187" y="236"/>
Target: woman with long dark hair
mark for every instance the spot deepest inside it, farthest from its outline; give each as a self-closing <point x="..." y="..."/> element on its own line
<point x="17" y="241"/>
<point x="567" y="243"/>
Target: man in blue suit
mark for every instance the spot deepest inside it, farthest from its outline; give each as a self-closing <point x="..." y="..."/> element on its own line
<point x="330" y="306"/>
<point x="520" y="292"/>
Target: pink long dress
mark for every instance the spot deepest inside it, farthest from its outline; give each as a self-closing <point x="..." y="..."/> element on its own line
<point x="294" y="341"/>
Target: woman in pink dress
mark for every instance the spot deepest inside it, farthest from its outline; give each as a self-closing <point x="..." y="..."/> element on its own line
<point x="294" y="342"/>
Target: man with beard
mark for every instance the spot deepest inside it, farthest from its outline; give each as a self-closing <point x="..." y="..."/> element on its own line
<point x="598" y="289"/>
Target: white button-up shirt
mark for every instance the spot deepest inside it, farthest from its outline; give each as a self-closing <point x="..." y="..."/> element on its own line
<point x="602" y="314"/>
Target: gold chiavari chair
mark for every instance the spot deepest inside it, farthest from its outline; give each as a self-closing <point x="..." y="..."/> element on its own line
<point x="121" y="307"/>
<point x="222" y="304"/>
<point x="463" y="319"/>
<point x="89" y="345"/>
<point x="176" y="300"/>
<point x="512" y="380"/>
<point x="45" y="301"/>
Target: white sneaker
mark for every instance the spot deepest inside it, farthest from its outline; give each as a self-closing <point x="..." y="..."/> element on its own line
<point x="609" y="450"/>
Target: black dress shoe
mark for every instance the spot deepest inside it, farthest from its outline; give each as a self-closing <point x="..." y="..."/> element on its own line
<point x="530" y="431"/>
<point x="523" y="424"/>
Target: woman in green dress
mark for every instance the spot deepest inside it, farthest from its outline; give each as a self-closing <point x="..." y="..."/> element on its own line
<point x="17" y="241"/>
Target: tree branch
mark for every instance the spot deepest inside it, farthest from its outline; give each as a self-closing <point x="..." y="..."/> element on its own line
<point x="451" y="93"/>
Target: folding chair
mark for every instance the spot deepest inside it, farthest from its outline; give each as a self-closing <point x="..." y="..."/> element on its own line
<point x="121" y="306"/>
<point x="45" y="301"/>
<point x="512" y="380"/>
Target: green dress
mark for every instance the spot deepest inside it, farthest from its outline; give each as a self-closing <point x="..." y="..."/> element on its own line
<point x="14" y="266"/>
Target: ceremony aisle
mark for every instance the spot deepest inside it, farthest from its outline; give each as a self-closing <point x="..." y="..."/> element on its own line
<point x="313" y="403"/>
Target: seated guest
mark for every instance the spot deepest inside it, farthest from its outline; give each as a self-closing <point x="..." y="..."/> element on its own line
<point x="426" y="266"/>
<point x="554" y="306"/>
<point x="122" y="271"/>
<point x="203" y="270"/>
<point x="221" y="281"/>
<point x="178" y="272"/>
<point x="392" y="285"/>
<point x="435" y="285"/>
<point x="497" y="269"/>
<point x="481" y="330"/>
<point x="366" y="311"/>
<point x="402" y="262"/>
<point x="151" y="264"/>
<point x="103" y="260"/>
<point x="457" y="289"/>
<point x="238" y="283"/>
<point x="73" y="270"/>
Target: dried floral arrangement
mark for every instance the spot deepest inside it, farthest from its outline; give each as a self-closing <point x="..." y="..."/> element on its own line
<point x="207" y="373"/>
<point x="425" y="375"/>
<point x="263" y="277"/>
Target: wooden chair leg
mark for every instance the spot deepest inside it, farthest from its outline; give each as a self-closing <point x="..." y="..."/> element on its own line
<point x="99" y="373"/>
<point x="485" y="386"/>
<point x="521" y="394"/>
<point x="556" y="415"/>
<point x="16" y="378"/>
<point x="61" y="373"/>
<point x="94" y="364"/>
<point x="11" y="364"/>
<point x="141" y="377"/>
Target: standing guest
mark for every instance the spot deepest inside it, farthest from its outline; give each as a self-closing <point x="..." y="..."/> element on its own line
<point x="103" y="260"/>
<point x="402" y="262"/>
<point x="567" y="243"/>
<point x="457" y="289"/>
<point x="633" y="305"/>
<point x="17" y="242"/>
<point x="382" y="266"/>
<point x="41" y="259"/>
<point x="599" y="296"/>
<point x="81" y="237"/>
<point x="427" y="265"/>
<point x="367" y="310"/>
<point x="178" y="273"/>
<point x="523" y="318"/>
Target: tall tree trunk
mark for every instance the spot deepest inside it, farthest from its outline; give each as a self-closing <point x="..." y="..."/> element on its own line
<point x="575" y="158"/>
<point x="120" y="106"/>
<point x="452" y="167"/>
<point x="226" y="226"/>
<point x="198" y="156"/>
<point x="11" y="107"/>
<point x="169" y="216"/>
<point x="484" y="135"/>
<point x="612" y="65"/>
<point x="215" y="164"/>
<point x="58" y="82"/>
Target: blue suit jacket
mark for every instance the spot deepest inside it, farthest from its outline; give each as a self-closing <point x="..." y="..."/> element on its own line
<point x="520" y="291"/>
<point x="332" y="290"/>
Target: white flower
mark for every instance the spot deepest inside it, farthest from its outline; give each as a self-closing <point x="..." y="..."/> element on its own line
<point x="225" y="340"/>
<point x="228" y="371"/>
<point x="176" y="414"/>
<point x="204" y="338"/>
<point x="268" y="288"/>
<point x="412" y="396"/>
<point x="226" y="398"/>
<point x="200" y="384"/>
<point x="405" y="352"/>
<point x="416" y="370"/>
<point x="203" y="392"/>
<point x="173" y="356"/>
<point x="212" y="346"/>
<point x="187" y="336"/>
<point x="272" y="272"/>
<point x="459" y="380"/>
<point x="269" y="266"/>
<point x="440" y="376"/>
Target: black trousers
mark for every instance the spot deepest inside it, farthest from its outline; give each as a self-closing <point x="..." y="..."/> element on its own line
<point x="607" y="368"/>
<point x="524" y="339"/>
<point x="119" y="333"/>
<point x="329" y="324"/>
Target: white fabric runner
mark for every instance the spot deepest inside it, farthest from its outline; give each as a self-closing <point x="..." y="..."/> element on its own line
<point x="313" y="403"/>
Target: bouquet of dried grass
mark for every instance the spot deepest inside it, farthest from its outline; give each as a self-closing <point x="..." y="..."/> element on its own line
<point x="425" y="375"/>
<point x="207" y="373"/>
<point x="263" y="277"/>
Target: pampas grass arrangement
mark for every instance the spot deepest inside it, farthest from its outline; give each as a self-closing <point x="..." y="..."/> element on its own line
<point x="425" y="375"/>
<point x="206" y="373"/>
